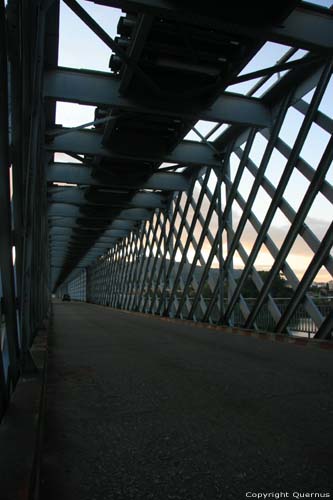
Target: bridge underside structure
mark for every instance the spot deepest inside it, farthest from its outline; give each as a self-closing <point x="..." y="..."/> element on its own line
<point x="149" y="212"/>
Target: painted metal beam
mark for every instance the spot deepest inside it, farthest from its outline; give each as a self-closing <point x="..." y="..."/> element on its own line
<point x="68" y="252"/>
<point x="55" y="266"/>
<point x="110" y="42"/>
<point x="135" y="49"/>
<point x="73" y="246"/>
<point x="59" y="230"/>
<point x="308" y="29"/>
<point x="6" y="260"/>
<point x="298" y="84"/>
<point x="67" y="224"/>
<point x="89" y="143"/>
<point x="95" y="89"/>
<point x="311" y="272"/>
<point x="55" y="231"/>
<point x="79" y="196"/>
<point x="295" y="228"/>
<point x="305" y="27"/>
<point x="66" y="241"/>
<point x="64" y="210"/>
<point x="82" y="237"/>
<point x="73" y="173"/>
<point x="326" y="328"/>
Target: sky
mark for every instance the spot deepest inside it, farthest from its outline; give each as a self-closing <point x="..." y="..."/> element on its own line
<point x="80" y="48"/>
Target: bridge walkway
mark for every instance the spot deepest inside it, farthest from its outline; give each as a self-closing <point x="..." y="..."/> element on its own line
<point x="141" y="408"/>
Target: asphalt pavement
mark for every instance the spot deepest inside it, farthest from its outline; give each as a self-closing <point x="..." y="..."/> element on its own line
<point x="141" y="408"/>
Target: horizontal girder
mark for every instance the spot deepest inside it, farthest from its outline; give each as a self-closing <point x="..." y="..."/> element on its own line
<point x="306" y="27"/>
<point x="58" y="223"/>
<point x="113" y="233"/>
<point x="78" y="196"/>
<point x="97" y="89"/>
<point x="89" y="143"/>
<point x="73" y="173"/>
<point x="65" y="210"/>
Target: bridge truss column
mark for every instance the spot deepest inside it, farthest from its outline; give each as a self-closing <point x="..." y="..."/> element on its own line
<point x="9" y="353"/>
<point x="24" y="260"/>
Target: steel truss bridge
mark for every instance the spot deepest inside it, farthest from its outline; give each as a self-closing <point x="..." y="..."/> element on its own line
<point x="142" y="216"/>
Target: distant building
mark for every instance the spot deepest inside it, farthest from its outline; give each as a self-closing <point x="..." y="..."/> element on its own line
<point x="320" y="284"/>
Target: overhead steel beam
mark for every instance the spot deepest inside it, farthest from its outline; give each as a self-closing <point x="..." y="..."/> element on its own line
<point x="122" y="224"/>
<point x="276" y="68"/>
<point x="63" y="210"/>
<point x="55" y="266"/>
<point x="74" y="239"/>
<point x="82" y="237"/>
<point x="78" y="250"/>
<point x="297" y="85"/>
<point x="93" y="253"/>
<point x="106" y="38"/>
<point x="59" y="251"/>
<point x="73" y="173"/>
<point x="73" y="247"/>
<point x="71" y="223"/>
<point x="95" y="89"/>
<point x="59" y="230"/>
<point x="56" y="225"/>
<point x="136" y="47"/>
<point x="55" y="230"/>
<point x="77" y="196"/>
<point x="308" y="29"/>
<point x="305" y="27"/>
<point x="89" y="143"/>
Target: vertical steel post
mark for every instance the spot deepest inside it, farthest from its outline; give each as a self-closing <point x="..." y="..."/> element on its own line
<point x="220" y="237"/>
<point x="6" y="260"/>
<point x="164" y="298"/>
<point x="33" y="161"/>
<point x="228" y="225"/>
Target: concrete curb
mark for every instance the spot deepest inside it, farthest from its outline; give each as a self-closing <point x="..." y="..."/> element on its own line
<point x="21" y="429"/>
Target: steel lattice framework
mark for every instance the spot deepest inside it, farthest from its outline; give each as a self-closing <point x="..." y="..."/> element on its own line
<point x="142" y="218"/>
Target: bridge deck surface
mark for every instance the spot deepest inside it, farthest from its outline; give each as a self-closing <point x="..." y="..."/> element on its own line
<point x="139" y="408"/>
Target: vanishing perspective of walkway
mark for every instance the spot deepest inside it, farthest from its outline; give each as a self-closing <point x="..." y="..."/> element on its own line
<point x="166" y="249"/>
<point x="139" y="407"/>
